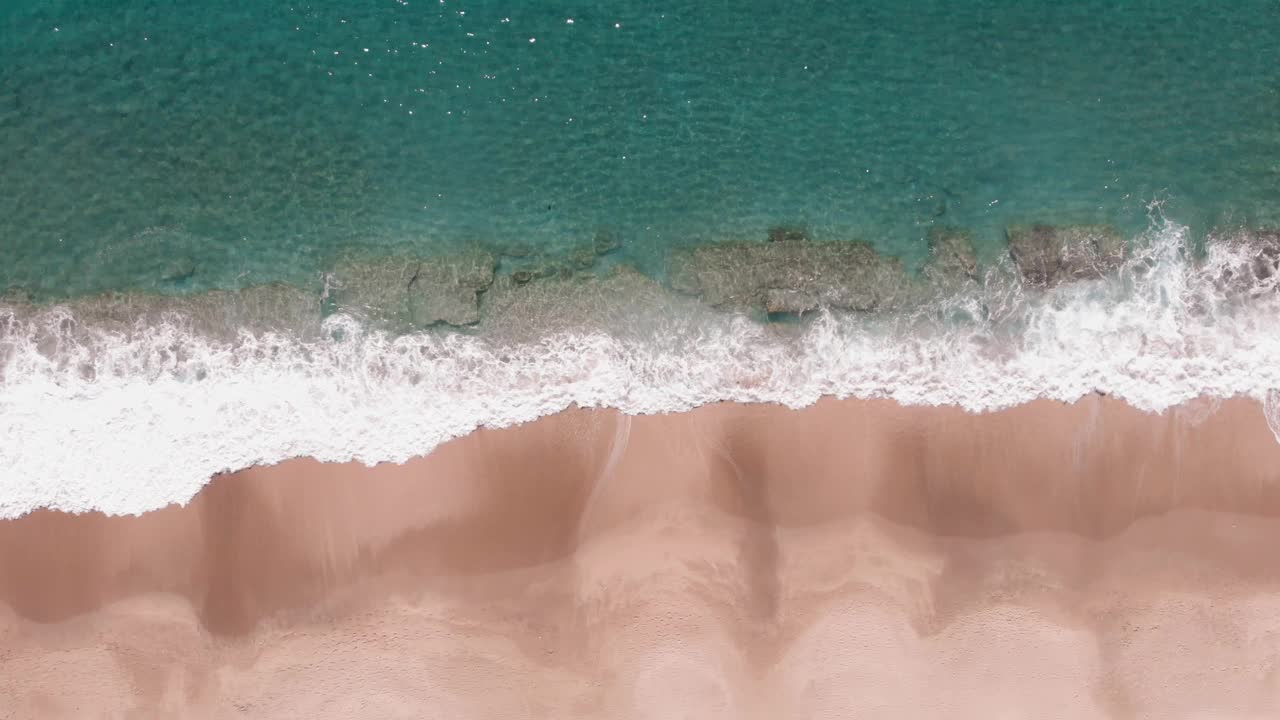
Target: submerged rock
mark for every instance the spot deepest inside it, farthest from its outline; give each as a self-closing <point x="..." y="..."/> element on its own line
<point x="154" y="257"/>
<point x="274" y="306"/>
<point x="178" y="269"/>
<point x="951" y="255"/>
<point x="605" y="242"/>
<point x="1263" y="248"/>
<point x="564" y="263"/>
<point x="544" y="268"/>
<point x="792" y="301"/>
<point x="785" y="233"/>
<point x="1257" y="256"/>
<point x="220" y="314"/>
<point x="1047" y="255"/>
<point x="415" y="293"/>
<point x="15" y="296"/>
<point x="788" y="277"/>
<point x="582" y="258"/>
<point x="620" y="301"/>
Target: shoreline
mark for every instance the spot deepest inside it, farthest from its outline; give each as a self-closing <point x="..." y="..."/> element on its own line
<point x="816" y="563"/>
<point x="216" y="383"/>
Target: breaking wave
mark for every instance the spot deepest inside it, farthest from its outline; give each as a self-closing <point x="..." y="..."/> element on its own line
<point x="127" y="417"/>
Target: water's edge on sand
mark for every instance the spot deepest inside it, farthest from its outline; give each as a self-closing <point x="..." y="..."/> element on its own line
<point x="1055" y="559"/>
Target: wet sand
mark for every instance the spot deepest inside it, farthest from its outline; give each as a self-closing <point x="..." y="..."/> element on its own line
<point x="855" y="559"/>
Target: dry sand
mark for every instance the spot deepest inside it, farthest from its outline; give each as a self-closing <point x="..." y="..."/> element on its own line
<point x="855" y="559"/>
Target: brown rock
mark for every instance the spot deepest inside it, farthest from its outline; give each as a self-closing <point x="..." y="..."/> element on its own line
<point x="791" y="301"/>
<point x="788" y="276"/>
<point x="951" y="255"/>
<point x="410" y="293"/>
<point x="1265" y="247"/>
<point x="582" y="258"/>
<point x="1260" y="252"/>
<point x="1046" y="255"/>
<point x="215" y="313"/>
<point x="605" y="242"/>
<point x="15" y="296"/>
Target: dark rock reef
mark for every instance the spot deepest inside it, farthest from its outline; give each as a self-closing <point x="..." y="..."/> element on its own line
<point x="1265" y="254"/>
<point x="619" y="301"/>
<point x="221" y="314"/>
<point x="789" y="276"/>
<point x="951" y="255"/>
<point x="1046" y="255"/>
<point x="526" y="265"/>
<point x="414" y="293"/>
<point x="1259" y="267"/>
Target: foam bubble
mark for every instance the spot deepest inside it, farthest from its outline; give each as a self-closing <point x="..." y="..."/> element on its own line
<point x="127" y="418"/>
<point x="1271" y="409"/>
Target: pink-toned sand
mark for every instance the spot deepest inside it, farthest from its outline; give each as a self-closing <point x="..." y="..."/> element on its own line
<point x="855" y="559"/>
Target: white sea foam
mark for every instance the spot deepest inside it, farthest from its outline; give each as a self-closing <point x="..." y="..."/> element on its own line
<point x="130" y="419"/>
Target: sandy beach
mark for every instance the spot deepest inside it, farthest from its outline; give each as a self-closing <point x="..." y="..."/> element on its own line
<point x="854" y="559"/>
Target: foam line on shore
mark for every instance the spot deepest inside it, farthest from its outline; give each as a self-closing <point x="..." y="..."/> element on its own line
<point x="125" y="419"/>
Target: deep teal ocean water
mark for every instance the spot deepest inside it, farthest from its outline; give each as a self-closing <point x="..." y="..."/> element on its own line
<point x="259" y="141"/>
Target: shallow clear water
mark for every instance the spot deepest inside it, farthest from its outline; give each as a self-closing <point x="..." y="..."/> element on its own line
<point x="252" y="142"/>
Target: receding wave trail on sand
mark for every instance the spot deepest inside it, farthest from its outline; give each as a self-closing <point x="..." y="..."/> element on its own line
<point x="125" y="418"/>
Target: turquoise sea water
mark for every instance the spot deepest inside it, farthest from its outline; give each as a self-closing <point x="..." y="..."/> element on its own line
<point x="360" y="150"/>
<point x="140" y="139"/>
